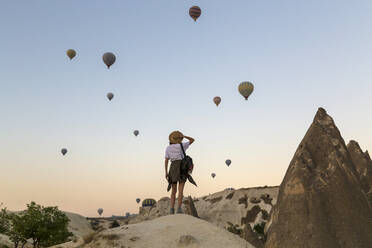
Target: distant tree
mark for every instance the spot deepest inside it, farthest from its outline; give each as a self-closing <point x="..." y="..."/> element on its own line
<point x="46" y="226"/>
<point x="12" y="225"/>
<point x="17" y="231"/>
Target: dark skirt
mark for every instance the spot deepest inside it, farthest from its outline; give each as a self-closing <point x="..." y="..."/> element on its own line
<point x="175" y="172"/>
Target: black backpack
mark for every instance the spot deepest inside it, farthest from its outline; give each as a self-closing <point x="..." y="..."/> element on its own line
<point x="186" y="167"/>
<point x="186" y="163"/>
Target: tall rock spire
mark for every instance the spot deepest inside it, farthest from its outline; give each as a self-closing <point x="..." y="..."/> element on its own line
<point x="320" y="201"/>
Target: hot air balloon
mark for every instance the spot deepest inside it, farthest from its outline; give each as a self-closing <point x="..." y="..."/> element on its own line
<point x="213" y="175"/>
<point x="109" y="59"/>
<point x="100" y="211"/>
<point x="195" y="12"/>
<point x="71" y="53"/>
<point x="110" y="96"/>
<point x="246" y="89"/>
<point x="136" y="132"/>
<point x="64" y="151"/>
<point x="217" y="100"/>
<point x="138" y="200"/>
<point x="148" y="203"/>
<point x="228" y="162"/>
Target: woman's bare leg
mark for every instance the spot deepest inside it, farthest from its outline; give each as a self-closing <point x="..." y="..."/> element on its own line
<point x="173" y="194"/>
<point x="180" y="194"/>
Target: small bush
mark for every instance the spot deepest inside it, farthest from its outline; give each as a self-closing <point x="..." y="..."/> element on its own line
<point x="114" y="224"/>
<point x="259" y="228"/>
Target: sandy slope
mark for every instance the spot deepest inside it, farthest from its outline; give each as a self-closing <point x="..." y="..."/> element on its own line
<point x="167" y="232"/>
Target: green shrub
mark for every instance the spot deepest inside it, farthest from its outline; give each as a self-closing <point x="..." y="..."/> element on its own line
<point x="259" y="228"/>
<point x="46" y="226"/>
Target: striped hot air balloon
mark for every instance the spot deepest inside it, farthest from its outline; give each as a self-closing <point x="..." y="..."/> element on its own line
<point x="195" y="12"/>
<point x="246" y="89"/>
<point x="148" y="203"/>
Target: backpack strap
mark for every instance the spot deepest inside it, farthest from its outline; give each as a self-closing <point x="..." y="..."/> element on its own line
<point x="183" y="151"/>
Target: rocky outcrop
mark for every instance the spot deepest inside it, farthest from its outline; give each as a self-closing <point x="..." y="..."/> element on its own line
<point x="363" y="165"/>
<point x="320" y="201"/>
<point x="220" y="208"/>
<point x="190" y="207"/>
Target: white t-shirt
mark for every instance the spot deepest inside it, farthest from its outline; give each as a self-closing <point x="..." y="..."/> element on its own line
<point x="174" y="151"/>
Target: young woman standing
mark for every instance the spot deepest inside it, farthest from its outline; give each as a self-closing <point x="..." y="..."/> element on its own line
<point x="174" y="154"/>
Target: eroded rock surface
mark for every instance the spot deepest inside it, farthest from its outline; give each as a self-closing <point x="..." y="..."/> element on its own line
<point x="321" y="202"/>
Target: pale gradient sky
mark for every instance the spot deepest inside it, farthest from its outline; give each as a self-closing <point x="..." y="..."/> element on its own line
<point x="299" y="54"/>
